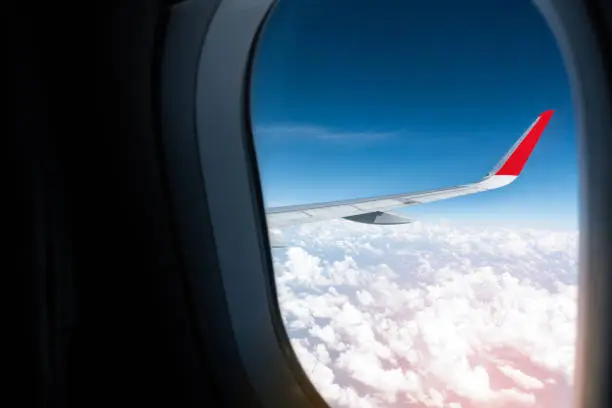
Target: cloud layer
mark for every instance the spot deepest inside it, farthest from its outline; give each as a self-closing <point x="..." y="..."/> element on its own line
<point x="431" y="315"/>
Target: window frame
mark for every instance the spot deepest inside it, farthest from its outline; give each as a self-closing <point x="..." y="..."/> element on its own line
<point x="213" y="177"/>
<point x="580" y="29"/>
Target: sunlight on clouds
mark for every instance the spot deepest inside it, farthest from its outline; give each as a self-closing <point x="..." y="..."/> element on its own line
<point x="431" y="315"/>
<point x="521" y="379"/>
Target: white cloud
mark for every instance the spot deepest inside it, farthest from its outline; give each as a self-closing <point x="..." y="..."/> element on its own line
<point x="523" y="380"/>
<point x="431" y="315"/>
<point x="292" y="131"/>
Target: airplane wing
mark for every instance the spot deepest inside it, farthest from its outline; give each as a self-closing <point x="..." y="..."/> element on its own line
<point x="375" y="210"/>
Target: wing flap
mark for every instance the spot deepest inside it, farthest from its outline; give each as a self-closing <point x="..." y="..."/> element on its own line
<point x="379" y="218"/>
<point x="379" y="204"/>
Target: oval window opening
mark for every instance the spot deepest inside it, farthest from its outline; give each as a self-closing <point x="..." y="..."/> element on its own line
<point x="419" y="169"/>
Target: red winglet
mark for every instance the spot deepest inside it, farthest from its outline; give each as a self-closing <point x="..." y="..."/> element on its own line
<point x="515" y="163"/>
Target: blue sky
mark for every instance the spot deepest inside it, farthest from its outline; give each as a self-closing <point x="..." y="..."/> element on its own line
<point x="354" y="98"/>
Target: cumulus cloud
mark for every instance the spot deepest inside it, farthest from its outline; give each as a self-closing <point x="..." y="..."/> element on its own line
<point x="520" y="378"/>
<point x="431" y="315"/>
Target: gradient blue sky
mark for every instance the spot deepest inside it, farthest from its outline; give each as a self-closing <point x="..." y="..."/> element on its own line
<point x="354" y="98"/>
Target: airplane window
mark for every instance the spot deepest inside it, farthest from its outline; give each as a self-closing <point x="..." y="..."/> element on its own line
<point x="418" y="165"/>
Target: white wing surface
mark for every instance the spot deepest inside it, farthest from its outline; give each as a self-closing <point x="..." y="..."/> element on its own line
<point x="375" y="210"/>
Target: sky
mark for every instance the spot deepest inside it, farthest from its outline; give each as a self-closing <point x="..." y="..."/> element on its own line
<point x="350" y="98"/>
